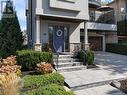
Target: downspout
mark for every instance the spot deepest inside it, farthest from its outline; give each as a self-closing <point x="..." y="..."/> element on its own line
<point x="31" y="16"/>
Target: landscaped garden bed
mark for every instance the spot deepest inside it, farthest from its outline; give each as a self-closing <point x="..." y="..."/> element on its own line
<point x="42" y="80"/>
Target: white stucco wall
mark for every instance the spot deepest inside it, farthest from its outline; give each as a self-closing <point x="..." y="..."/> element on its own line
<point x="61" y="8"/>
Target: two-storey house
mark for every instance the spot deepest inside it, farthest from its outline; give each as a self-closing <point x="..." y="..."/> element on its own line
<point x="56" y="22"/>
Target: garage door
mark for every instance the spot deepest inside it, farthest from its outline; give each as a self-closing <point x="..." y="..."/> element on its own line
<point x="96" y="43"/>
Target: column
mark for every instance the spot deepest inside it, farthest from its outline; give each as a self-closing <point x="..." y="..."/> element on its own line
<point x="86" y="47"/>
<point x="37" y="40"/>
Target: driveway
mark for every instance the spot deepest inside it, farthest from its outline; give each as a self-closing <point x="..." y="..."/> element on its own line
<point x="110" y="61"/>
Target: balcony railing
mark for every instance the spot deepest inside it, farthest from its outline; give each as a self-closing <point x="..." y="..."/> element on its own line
<point x="100" y="17"/>
<point x="99" y="26"/>
<point x="95" y="2"/>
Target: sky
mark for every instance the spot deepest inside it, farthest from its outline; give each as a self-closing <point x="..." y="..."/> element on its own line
<point x="20" y="6"/>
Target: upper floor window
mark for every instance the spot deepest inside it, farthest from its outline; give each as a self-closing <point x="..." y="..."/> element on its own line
<point x="92" y="15"/>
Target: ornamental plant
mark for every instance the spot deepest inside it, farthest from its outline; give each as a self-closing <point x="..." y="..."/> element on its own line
<point x="10" y="84"/>
<point x="11" y="60"/>
<point x="44" y="68"/>
<point x="8" y="66"/>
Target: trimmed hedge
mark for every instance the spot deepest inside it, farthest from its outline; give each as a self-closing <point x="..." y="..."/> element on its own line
<point x="51" y="89"/>
<point x="28" y="58"/>
<point x="35" y="81"/>
<point x="117" y="48"/>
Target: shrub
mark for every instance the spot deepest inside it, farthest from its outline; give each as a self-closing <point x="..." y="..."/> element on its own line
<point x="42" y="80"/>
<point x="11" y="60"/>
<point x="87" y="56"/>
<point x="81" y="55"/>
<point x="44" y="68"/>
<point x="117" y="48"/>
<point x="10" y="84"/>
<point x="10" y="69"/>
<point x="28" y="59"/>
<point x="8" y="66"/>
<point x="46" y="48"/>
<point x="51" y="89"/>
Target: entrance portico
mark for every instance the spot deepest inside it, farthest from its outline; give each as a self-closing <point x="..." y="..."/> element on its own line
<point x="62" y="36"/>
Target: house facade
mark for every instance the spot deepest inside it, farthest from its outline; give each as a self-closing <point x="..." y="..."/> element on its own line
<point x="101" y="27"/>
<point x="120" y="7"/>
<point x="68" y="25"/>
<point x="57" y="23"/>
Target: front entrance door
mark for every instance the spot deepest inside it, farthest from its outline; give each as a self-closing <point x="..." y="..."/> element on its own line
<point x="58" y="38"/>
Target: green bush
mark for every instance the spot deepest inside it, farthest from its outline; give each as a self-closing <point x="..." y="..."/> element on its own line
<point x="89" y="59"/>
<point x="87" y="56"/>
<point x="51" y="89"/>
<point x="28" y="58"/>
<point x="34" y="81"/>
<point x="81" y="55"/>
<point x="117" y="48"/>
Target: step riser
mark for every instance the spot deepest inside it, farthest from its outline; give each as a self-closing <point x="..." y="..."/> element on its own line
<point x="67" y="61"/>
<point x="81" y="87"/>
<point x="71" y="69"/>
<point x="69" y="65"/>
<point x="65" y="57"/>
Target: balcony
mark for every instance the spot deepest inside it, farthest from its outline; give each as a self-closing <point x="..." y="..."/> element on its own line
<point x="100" y="26"/>
<point x="94" y="3"/>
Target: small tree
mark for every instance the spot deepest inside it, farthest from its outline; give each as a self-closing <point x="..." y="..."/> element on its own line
<point x="10" y="33"/>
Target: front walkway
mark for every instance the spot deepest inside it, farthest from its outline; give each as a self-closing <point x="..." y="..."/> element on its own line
<point x="111" y="67"/>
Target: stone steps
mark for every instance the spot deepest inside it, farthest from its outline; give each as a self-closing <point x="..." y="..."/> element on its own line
<point x="65" y="56"/>
<point x="67" y="63"/>
<point x="71" y="68"/>
<point x="60" y="65"/>
<point x="66" y="60"/>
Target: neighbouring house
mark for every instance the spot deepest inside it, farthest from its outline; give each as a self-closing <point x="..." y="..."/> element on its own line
<point x="56" y="22"/>
<point x="68" y="25"/>
<point x="101" y="26"/>
<point x="120" y="7"/>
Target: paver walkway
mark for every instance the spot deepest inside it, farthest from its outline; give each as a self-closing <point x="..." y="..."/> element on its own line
<point x="112" y="67"/>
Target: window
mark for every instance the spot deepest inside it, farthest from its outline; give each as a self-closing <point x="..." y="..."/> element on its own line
<point x="92" y="15"/>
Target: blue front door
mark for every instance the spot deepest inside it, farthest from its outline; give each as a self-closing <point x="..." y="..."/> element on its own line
<point x="58" y="38"/>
